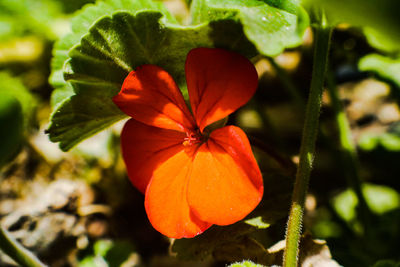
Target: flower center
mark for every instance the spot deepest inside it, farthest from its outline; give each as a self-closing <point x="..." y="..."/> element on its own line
<point x="193" y="138"/>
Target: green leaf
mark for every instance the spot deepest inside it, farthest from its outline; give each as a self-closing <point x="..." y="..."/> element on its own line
<point x="81" y="116"/>
<point x="80" y="25"/>
<point x="116" y="45"/>
<point x="386" y="67"/>
<point x="270" y="25"/>
<point x="257" y="222"/>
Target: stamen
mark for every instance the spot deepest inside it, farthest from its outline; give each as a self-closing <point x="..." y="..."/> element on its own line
<point x="192" y="138"/>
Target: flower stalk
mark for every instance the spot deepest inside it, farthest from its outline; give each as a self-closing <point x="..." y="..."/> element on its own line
<point x="310" y="130"/>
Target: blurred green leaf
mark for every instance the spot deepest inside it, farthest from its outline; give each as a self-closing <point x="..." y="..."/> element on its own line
<point x="15" y="87"/>
<point x="70" y="6"/>
<point x="368" y="141"/>
<point x="381" y="41"/>
<point x="386" y="67"/>
<point x="91" y="261"/>
<point x="11" y="126"/>
<point x="345" y="205"/>
<point x="16" y="114"/>
<point x="119" y="253"/>
<point x="245" y="264"/>
<point x="327" y="229"/>
<point x="29" y="17"/>
<point x="108" y="253"/>
<point x="386" y="263"/>
<point x="380" y="199"/>
<point x="324" y="226"/>
<point x="101" y="247"/>
<point x="382" y="16"/>
<point x="270" y="25"/>
<point x="389" y="140"/>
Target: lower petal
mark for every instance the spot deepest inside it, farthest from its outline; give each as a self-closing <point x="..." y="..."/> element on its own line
<point x="145" y="147"/>
<point x="226" y="183"/>
<point x="166" y="199"/>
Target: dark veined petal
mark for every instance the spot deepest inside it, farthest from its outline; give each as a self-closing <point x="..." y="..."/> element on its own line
<point x="166" y="202"/>
<point x="219" y="82"/>
<point x="151" y="96"/>
<point x="225" y="183"/>
<point x="146" y="147"/>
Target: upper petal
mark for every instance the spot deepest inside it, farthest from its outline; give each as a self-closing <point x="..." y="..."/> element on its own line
<point x="225" y="183"/>
<point x="219" y="82"/>
<point x="150" y="95"/>
<point x="166" y="203"/>
<point x="144" y="148"/>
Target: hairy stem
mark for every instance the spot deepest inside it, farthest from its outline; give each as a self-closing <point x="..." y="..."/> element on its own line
<point x="17" y="252"/>
<point x="310" y="130"/>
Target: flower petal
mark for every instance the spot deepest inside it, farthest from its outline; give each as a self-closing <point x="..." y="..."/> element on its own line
<point x="226" y="183"/>
<point x="151" y="96"/>
<point x="166" y="203"/>
<point x="219" y="82"/>
<point x="146" y="147"/>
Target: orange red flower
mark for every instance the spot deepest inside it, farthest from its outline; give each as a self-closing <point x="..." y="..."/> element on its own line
<point x="192" y="176"/>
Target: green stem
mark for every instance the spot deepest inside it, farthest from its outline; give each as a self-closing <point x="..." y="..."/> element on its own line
<point x="310" y="130"/>
<point x="349" y="154"/>
<point x="17" y="252"/>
